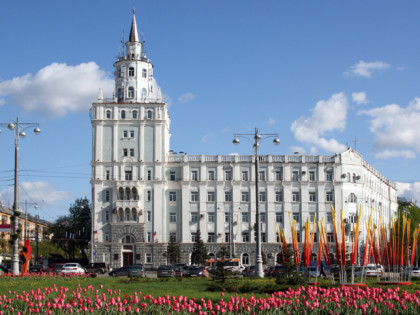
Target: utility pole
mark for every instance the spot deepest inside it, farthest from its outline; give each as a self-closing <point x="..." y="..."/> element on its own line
<point x="36" y="239"/>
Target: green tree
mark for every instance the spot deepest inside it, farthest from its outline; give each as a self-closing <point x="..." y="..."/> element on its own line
<point x="199" y="253"/>
<point x="173" y="251"/>
<point x="290" y="273"/>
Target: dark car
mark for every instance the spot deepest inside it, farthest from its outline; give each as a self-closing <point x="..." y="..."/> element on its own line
<point x="166" y="271"/>
<point x="129" y="271"/>
<point x="56" y="268"/>
<point x="197" y="271"/>
<point x="277" y="271"/>
<point x="249" y="271"/>
<point x="38" y="268"/>
<point x="97" y="267"/>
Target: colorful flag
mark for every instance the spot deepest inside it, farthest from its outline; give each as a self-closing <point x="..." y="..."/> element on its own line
<point x="154" y="234"/>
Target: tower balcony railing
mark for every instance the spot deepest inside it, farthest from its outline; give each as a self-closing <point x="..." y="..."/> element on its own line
<point x="126" y="204"/>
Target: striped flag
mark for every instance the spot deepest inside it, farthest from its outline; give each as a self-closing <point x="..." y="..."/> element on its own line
<point x="154" y="234"/>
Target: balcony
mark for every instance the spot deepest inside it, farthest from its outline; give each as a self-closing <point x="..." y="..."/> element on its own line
<point x="126" y="204"/>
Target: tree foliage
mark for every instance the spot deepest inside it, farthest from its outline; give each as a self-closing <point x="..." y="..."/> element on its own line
<point x="72" y="232"/>
<point x="199" y="253"/>
<point x="173" y="251"/>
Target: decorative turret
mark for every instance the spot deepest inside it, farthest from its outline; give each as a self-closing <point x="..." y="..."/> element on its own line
<point x="133" y="44"/>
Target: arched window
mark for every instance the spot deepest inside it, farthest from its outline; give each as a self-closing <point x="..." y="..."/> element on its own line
<point x="130" y="92"/>
<point x="127" y="193"/>
<point x="108" y="114"/>
<point x="127" y="214"/>
<point x="352" y="198"/>
<point x="245" y="259"/>
<point x="123" y="114"/>
<point x="149" y="114"/>
<point x="135" y="194"/>
<point x="121" y="194"/>
<point x="131" y="72"/>
<point x="279" y="258"/>
<point x="134" y="114"/>
<point x="143" y="93"/>
<point x="348" y="177"/>
<point x="127" y="239"/>
<point x="212" y="256"/>
<point x="134" y="214"/>
<point x="121" y="214"/>
<point x="120" y="94"/>
<point x="144" y="73"/>
<point x="354" y="178"/>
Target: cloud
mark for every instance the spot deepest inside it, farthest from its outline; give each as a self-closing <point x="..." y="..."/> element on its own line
<point x="58" y="88"/>
<point x="327" y="116"/>
<point x="365" y="69"/>
<point x="271" y="121"/>
<point x="411" y="191"/>
<point x="208" y="136"/>
<point x="395" y="127"/>
<point x="359" y="97"/>
<point x="39" y="192"/>
<point x="186" y="97"/>
<point x="386" y="154"/>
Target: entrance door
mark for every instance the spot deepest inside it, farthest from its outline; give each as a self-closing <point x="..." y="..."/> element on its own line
<point x="127" y="259"/>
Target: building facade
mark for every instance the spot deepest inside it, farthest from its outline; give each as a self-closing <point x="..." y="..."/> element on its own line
<point x="143" y="193"/>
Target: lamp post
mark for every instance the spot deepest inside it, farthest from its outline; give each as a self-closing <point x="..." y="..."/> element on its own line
<point x="258" y="138"/>
<point x="19" y="129"/>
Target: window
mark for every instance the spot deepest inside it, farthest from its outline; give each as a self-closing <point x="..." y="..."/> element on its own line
<point x="131" y="152"/>
<point x="149" y="216"/>
<point x="352" y="198"/>
<point x="149" y="195"/>
<point x="228" y="175"/>
<point x="330" y="237"/>
<point x="329" y="176"/>
<point x="312" y="196"/>
<point x="210" y="196"/>
<point x="108" y="114"/>
<point x="295" y="175"/>
<point x="120" y="94"/>
<point x="144" y="73"/>
<point x="329" y="196"/>
<point x="245" y="237"/>
<point x="107" y="176"/>
<point x="227" y="217"/>
<point x="279" y="217"/>
<point x="262" y="196"/>
<point x="194" y="175"/>
<point x="296" y="217"/>
<point x="128" y="175"/>
<point x="279" y="196"/>
<point x="329" y="218"/>
<point x="149" y="114"/>
<point x="245" y="175"/>
<point x="123" y="114"/>
<point x="211" y="217"/>
<point x="106" y="237"/>
<point x="295" y="196"/>
<point x="131" y="133"/>
<point x="194" y="196"/>
<point x="172" y="217"/>
<point x="312" y="216"/>
<point x="261" y="175"/>
<point x="107" y="195"/>
<point x="244" y="196"/>
<point x="263" y="237"/>
<point x="245" y="259"/>
<point x="311" y="176"/>
<point x="194" y="217"/>
<point x="143" y="97"/>
<point x="134" y="114"/>
<point x="130" y="92"/>
<point x="228" y="196"/>
<point x="227" y="238"/>
<point x="172" y="176"/>
<point x="172" y="236"/>
<point x="298" y="236"/>
<point x="125" y="152"/>
<point x="125" y="134"/>
<point x="107" y="216"/>
<point x="263" y="217"/>
<point x="148" y="258"/>
<point x="279" y="175"/>
<point x="193" y="237"/>
<point x="210" y="238"/>
<point x="131" y="72"/>
<point x="172" y="196"/>
<point x="210" y="175"/>
<point x="245" y="217"/>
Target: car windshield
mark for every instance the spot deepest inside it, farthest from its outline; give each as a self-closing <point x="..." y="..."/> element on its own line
<point x="165" y="268"/>
<point x="70" y="265"/>
<point x="194" y="268"/>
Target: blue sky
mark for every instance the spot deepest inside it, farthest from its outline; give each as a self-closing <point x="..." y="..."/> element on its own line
<point x="320" y="73"/>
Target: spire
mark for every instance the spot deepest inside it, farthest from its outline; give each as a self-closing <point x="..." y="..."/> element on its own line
<point x="134" y="37"/>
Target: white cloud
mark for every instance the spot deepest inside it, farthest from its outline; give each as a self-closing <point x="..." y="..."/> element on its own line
<point x="365" y="69"/>
<point x="39" y="192"/>
<point x="327" y="116"/>
<point x="271" y="121"/>
<point x="359" y="97"/>
<point x="386" y="154"/>
<point x="411" y="191"/>
<point x="395" y="127"/>
<point x="206" y="137"/>
<point x="58" y="88"/>
<point x="186" y="97"/>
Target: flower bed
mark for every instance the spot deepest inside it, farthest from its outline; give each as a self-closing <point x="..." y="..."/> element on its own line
<point x="317" y="300"/>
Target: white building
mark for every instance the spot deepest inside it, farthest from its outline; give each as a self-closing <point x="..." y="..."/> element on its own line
<point x="143" y="193"/>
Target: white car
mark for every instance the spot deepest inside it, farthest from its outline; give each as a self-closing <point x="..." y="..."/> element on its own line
<point x="412" y="271"/>
<point x="72" y="268"/>
<point x="372" y="271"/>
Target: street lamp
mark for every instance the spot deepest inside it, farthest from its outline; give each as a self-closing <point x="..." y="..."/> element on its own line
<point x="19" y="129"/>
<point x="258" y="138"/>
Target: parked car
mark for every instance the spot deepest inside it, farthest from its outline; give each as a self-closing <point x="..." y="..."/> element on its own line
<point x="249" y="271"/>
<point x="278" y="271"/>
<point x="197" y="271"/>
<point x="38" y="268"/>
<point x="268" y="272"/>
<point x="97" y="267"/>
<point x="72" y="268"/>
<point x="129" y="271"/>
<point x="372" y="270"/>
<point x="166" y="271"/>
<point x="56" y="268"/>
<point x="413" y="271"/>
